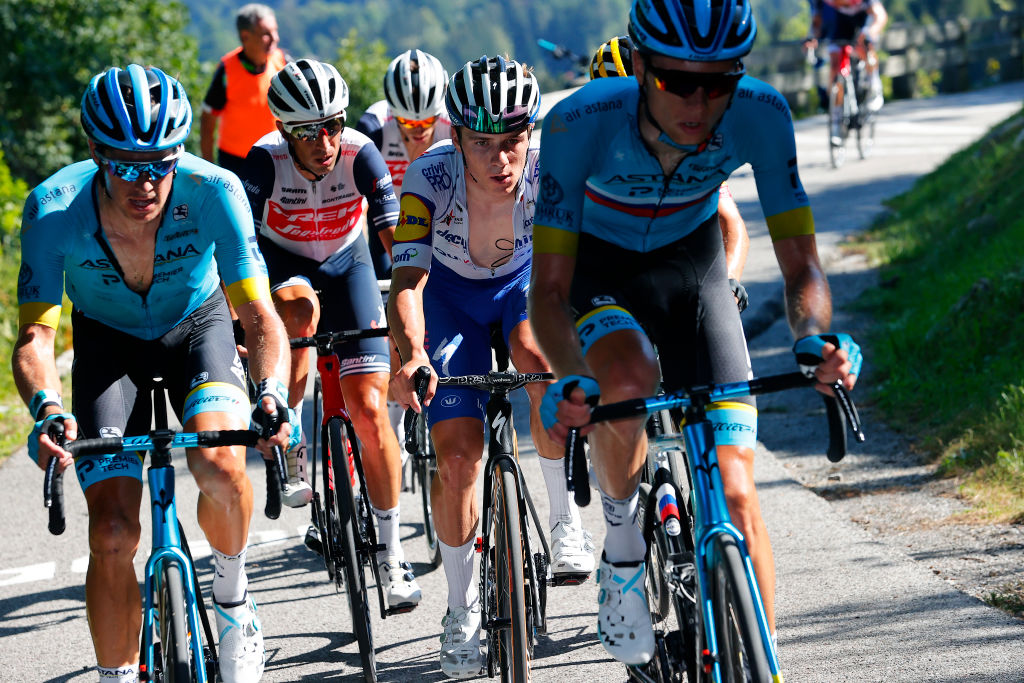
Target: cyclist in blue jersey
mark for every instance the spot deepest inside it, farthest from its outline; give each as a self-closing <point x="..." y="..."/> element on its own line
<point x="306" y="183"/>
<point x="462" y="266"/>
<point x="627" y="251"/>
<point x="140" y="236"/>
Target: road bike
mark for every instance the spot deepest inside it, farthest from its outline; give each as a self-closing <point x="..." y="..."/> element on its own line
<point x="850" y="113"/>
<point x="513" y="575"/>
<point x="698" y="562"/>
<point x="342" y="529"/>
<point x="177" y="642"/>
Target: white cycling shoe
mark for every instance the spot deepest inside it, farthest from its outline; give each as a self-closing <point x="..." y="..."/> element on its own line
<point x="399" y="584"/>
<point x="572" y="553"/>
<point x="241" y="641"/>
<point x="623" y="618"/>
<point x="297" y="492"/>
<point x="461" y="654"/>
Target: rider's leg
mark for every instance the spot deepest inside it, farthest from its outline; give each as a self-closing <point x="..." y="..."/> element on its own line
<point x="112" y="600"/>
<point x="299" y="308"/>
<point x="736" y="465"/>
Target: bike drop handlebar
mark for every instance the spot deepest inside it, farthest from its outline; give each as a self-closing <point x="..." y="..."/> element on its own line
<point x="840" y="411"/>
<point x="53" y="491"/>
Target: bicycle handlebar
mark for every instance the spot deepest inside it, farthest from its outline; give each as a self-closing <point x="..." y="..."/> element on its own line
<point x="837" y="408"/>
<point x="509" y="380"/>
<point x="421" y="381"/>
<point x="329" y="339"/>
<point x="53" y="490"/>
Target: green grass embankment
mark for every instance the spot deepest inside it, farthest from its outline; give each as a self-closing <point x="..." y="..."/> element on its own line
<point x="948" y="347"/>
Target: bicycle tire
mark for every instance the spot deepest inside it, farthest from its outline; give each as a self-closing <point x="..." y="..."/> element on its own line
<point x="741" y="654"/>
<point x="866" y="136"/>
<point x="513" y="642"/>
<point x="328" y="524"/>
<point x="837" y="152"/>
<point x="175" y="644"/>
<point x="348" y="547"/>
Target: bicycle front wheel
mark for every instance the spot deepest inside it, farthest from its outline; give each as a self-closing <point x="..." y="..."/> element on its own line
<point x="512" y="640"/>
<point x="175" y="644"/>
<point x="741" y="653"/>
<point x="347" y="545"/>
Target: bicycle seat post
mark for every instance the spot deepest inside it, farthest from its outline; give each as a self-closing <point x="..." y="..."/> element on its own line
<point x="161" y="435"/>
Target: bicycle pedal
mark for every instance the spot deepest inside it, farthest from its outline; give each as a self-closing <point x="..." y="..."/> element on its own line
<point x="400" y="609"/>
<point x="568" y="579"/>
<point x="313" y="542"/>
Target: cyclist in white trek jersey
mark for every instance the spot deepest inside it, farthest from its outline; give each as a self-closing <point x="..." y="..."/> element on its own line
<point x="467" y="223"/>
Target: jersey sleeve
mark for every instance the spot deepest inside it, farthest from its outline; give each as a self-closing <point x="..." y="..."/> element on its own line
<point x="564" y="169"/>
<point x="771" y="149"/>
<point x="217" y="94"/>
<point x="257" y="176"/>
<point x="41" y="278"/>
<point x="373" y="180"/>
<point x="241" y="265"/>
<point x="415" y="230"/>
<point x="370" y="126"/>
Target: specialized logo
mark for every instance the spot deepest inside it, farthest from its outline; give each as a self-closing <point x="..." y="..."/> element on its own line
<point x="445" y="350"/>
<point x="414" y="220"/>
<point x="180" y="212"/>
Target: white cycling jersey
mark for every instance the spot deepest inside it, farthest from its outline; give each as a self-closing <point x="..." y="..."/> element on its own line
<point x="315" y="219"/>
<point x="380" y="125"/>
<point x="434" y="224"/>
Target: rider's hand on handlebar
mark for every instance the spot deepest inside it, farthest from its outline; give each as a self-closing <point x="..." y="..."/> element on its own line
<point x="403" y="386"/>
<point x="829" y="357"/>
<point x="271" y="410"/>
<point x="567" y="403"/>
<point x="41" y="447"/>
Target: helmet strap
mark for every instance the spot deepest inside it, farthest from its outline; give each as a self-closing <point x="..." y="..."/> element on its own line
<point x="295" y="158"/>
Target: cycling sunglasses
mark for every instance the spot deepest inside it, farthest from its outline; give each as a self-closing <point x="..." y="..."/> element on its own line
<point x="309" y="132"/>
<point x="414" y="123"/>
<point x="130" y="171"/>
<point x="685" y="83"/>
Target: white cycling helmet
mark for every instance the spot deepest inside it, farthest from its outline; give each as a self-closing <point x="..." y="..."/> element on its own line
<point x="307" y="91"/>
<point x="414" y="85"/>
<point x="494" y="95"/>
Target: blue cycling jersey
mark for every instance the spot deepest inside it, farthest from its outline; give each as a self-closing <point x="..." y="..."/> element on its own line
<point x="206" y="234"/>
<point x="598" y="177"/>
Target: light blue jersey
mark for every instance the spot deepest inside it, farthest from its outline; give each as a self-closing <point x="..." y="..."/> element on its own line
<point x="207" y="234"/>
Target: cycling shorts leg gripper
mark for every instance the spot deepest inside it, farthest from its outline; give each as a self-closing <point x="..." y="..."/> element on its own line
<point x="101" y="467"/>
<point x="217" y="397"/>
<point x="604" y="320"/>
<point x="734" y="423"/>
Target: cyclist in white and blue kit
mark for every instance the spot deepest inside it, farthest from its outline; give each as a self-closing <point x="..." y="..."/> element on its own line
<point x="140" y="236"/>
<point x="462" y="265"/>
<point x="628" y="256"/>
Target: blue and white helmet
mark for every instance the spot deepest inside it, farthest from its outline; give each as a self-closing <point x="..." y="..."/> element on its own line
<point x="694" y="30"/>
<point x="136" y="109"/>
<point x="494" y="95"/>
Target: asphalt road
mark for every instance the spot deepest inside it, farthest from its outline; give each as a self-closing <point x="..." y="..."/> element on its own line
<point x="848" y="608"/>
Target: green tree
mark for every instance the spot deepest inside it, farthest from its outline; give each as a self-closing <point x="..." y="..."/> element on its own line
<point x="362" y="64"/>
<point x="51" y="48"/>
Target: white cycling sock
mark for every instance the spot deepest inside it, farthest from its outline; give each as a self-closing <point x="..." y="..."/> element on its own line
<point x="121" y="674"/>
<point x="624" y="541"/>
<point x="396" y="415"/>
<point x="388" y="534"/>
<point x="458" y="569"/>
<point x="563" y="506"/>
<point x="229" y="579"/>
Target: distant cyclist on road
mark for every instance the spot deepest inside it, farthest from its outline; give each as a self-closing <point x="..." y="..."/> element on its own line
<point x="615" y="58"/>
<point x="140" y="236"/>
<point x="628" y="255"/>
<point x="306" y="183"/>
<point x="462" y="265"/>
<point x="845" y="21"/>
<point x="410" y="119"/>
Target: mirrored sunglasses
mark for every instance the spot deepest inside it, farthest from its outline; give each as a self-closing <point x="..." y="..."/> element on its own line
<point x="414" y="123"/>
<point x="685" y="83"/>
<point x="309" y="132"/>
<point x="131" y="171"/>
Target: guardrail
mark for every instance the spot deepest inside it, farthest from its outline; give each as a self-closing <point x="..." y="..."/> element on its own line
<point x="952" y="56"/>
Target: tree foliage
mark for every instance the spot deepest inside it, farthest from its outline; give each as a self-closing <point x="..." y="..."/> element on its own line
<point x="362" y="64"/>
<point x="51" y="48"/>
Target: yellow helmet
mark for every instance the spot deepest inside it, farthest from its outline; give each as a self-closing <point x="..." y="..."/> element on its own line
<point x="613" y="58"/>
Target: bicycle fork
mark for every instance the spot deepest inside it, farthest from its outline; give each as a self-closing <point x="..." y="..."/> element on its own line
<point x="711" y="517"/>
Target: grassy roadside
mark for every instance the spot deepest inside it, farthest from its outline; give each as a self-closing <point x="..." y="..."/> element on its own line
<point x="949" y="336"/>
